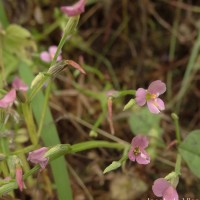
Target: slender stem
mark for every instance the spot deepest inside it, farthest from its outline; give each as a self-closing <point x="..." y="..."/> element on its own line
<point x="4" y="168"/>
<point x="71" y="25"/>
<point x="25" y="150"/>
<point x="95" y="144"/>
<point x="1" y="61"/>
<point x="5" y="150"/>
<point x="178" y="165"/>
<point x="177" y="129"/>
<point x="26" y="166"/>
<point x="127" y="92"/>
<point x="99" y="121"/>
<point x="46" y="98"/>
<point x="3" y="17"/>
<point x="4" y="145"/>
<point x="28" y="116"/>
<point x="64" y="149"/>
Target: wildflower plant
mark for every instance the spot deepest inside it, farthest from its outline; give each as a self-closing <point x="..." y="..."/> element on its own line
<point x="29" y="96"/>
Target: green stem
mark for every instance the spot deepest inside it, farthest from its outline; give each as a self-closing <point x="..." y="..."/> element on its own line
<point x="64" y="149"/>
<point x="28" y="116"/>
<point x="4" y="145"/>
<point x="71" y="25"/>
<point x="95" y="144"/>
<point x="99" y="120"/>
<point x="5" y="150"/>
<point x="178" y="165"/>
<point x="127" y="92"/>
<point x="2" y="68"/>
<point x="26" y="167"/>
<point x="44" y="109"/>
<point x="3" y="17"/>
<point x="177" y="129"/>
<point x="25" y="150"/>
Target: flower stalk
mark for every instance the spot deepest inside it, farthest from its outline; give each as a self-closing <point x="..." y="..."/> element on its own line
<point x="62" y="150"/>
<point x="28" y="116"/>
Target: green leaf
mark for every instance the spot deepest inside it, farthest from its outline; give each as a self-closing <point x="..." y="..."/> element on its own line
<point x="190" y="151"/>
<point x="3" y="17"/>
<point x="114" y="165"/>
<point x="18" y="41"/>
<point x="142" y="122"/>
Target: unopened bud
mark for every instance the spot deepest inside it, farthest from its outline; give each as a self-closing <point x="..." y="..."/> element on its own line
<point x="57" y="68"/>
<point x="129" y="104"/>
<point x="58" y="149"/>
<point x="93" y="134"/>
<point x="174" y="116"/>
<point x="39" y="80"/>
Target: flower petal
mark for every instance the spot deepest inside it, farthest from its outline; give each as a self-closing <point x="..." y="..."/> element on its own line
<point x="131" y="154"/>
<point x="44" y="163"/>
<point x="44" y="56"/>
<point x="160" y="104"/>
<point x="157" y="87"/>
<point x="37" y="157"/>
<point x="151" y="104"/>
<point x="8" y="99"/>
<point x="140" y="96"/>
<point x="18" y="84"/>
<point x="160" y="186"/>
<point x="140" y="141"/>
<point x="59" y="58"/>
<point x="53" y="49"/>
<point x="75" y="9"/>
<point x="170" y="194"/>
<point x="143" y="158"/>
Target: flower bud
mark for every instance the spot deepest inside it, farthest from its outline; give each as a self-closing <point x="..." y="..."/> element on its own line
<point x="57" y="68"/>
<point x="129" y="104"/>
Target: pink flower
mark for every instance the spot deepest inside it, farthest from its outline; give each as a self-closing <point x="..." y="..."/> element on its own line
<point x="151" y="95"/>
<point x="162" y="188"/>
<point x="47" y="56"/>
<point x="37" y="157"/>
<point x="8" y="99"/>
<point x="19" y="178"/>
<point x="137" y="152"/>
<point x="75" y="9"/>
<point x="18" y="84"/>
